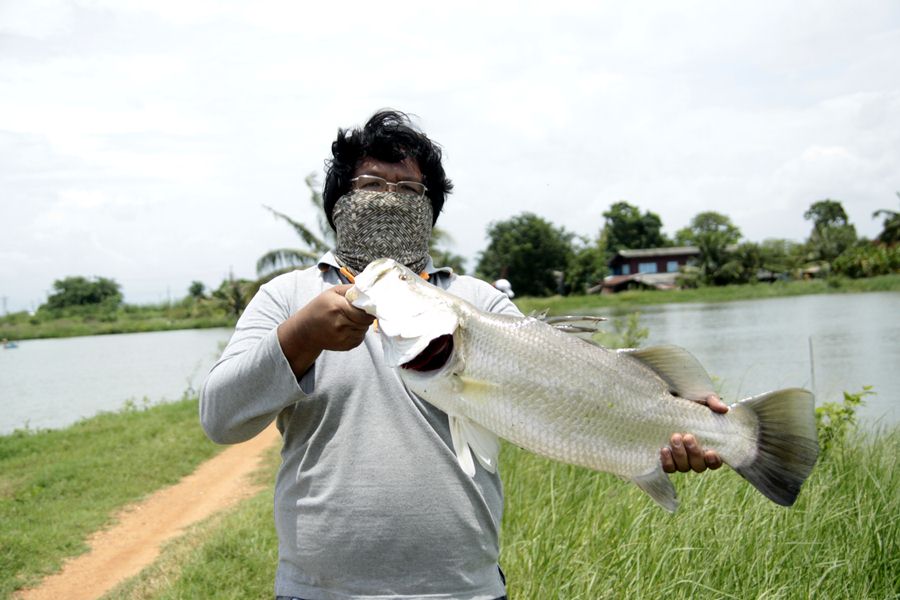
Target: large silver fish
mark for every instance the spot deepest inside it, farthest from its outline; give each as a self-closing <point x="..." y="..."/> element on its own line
<point x="558" y="396"/>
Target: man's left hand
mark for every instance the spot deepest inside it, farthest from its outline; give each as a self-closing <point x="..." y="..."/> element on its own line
<point x="684" y="452"/>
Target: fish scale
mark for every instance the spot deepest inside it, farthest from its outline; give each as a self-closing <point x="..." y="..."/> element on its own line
<point x="552" y="393"/>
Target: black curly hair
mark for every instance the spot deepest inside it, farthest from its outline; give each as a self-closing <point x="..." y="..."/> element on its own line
<point x="391" y="137"/>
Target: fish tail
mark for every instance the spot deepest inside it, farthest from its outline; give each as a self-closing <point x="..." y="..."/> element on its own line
<point x="787" y="446"/>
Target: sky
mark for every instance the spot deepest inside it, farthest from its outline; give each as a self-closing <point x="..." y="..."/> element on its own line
<point x="140" y="139"/>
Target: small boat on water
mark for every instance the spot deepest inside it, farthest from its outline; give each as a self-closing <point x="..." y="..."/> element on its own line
<point x="8" y="345"/>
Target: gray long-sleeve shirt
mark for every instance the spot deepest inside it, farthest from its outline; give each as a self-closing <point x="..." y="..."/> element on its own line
<point x="369" y="500"/>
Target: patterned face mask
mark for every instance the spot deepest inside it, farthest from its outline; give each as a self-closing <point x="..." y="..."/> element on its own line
<point x="372" y="225"/>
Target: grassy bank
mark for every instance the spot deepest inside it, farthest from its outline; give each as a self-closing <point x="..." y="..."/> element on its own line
<point x="23" y="327"/>
<point x="594" y="303"/>
<point x="56" y="487"/>
<point x="572" y="533"/>
<point x="567" y="532"/>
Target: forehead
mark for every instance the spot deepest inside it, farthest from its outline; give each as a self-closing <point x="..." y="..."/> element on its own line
<point x="405" y="170"/>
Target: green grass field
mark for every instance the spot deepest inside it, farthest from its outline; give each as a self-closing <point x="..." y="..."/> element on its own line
<point x="56" y="487"/>
<point x="567" y="532"/>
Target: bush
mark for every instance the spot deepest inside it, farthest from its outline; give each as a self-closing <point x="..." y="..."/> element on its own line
<point x="868" y="261"/>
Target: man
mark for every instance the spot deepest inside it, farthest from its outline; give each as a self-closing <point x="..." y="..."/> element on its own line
<point x="369" y="501"/>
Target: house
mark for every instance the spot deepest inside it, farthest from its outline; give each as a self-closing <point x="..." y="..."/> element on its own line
<point x="646" y="268"/>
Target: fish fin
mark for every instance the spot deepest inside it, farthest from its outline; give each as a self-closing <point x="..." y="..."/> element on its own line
<point x="657" y="484"/>
<point x="461" y="446"/>
<point x="787" y="446"/>
<point x="575" y="323"/>
<point x="471" y="438"/>
<point x="676" y="366"/>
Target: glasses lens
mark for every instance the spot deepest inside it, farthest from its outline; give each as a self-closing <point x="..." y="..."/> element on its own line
<point x="410" y="188"/>
<point x="370" y="183"/>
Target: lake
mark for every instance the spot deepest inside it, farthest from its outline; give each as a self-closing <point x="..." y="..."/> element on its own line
<point x="748" y="346"/>
<point x="754" y="346"/>
<point x="53" y="383"/>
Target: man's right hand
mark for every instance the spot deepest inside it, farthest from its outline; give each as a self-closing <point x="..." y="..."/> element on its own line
<point x="327" y="322"/>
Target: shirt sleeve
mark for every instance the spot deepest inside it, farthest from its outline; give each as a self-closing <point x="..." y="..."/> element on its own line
<point x="252" y="382"/>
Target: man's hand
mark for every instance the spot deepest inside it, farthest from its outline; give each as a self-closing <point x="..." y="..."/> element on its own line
<point x="327" y="322"/>
<point x="685" y="454"/>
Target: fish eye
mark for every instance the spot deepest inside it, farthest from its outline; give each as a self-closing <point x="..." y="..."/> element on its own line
<point x="403" y="277"/>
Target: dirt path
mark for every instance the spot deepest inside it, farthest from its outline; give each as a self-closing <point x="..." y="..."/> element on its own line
<point x="134" y="542"/>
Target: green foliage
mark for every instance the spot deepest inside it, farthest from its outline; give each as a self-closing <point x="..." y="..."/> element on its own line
<point x="868" y="260"/>
<point x="712" y="233"/>
<point x="832" y="233"/>
<point x="233" y="295"/>
<point x="528" y="251"/>
<point x="586" y="267"/>
<point x="82" y="292"/>
<point x="626" y="228"/>
<point x="197" y="290"/>
<point x="890" y="233"/>
<point x="835" y="421"/>
<point x="281" y="260"/>
<point x="627" y="332"/>
<point x="440" y="255"/>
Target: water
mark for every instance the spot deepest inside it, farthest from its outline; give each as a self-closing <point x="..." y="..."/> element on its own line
<point x="754" y="346"/>
<point x="54" y="383"/>
<point x="748" y="346"/>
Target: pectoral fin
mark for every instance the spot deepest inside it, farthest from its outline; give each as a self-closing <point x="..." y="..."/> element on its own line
<point x="676" y="366"/>
<point x="469" y="437"/>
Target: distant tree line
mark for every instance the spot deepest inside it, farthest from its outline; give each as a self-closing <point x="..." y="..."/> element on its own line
<point x="540" y="258"/>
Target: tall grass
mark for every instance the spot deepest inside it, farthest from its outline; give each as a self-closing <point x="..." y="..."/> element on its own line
<point x="57" y="487"/>
<point x="567" y="532"/>
<point x="570" y="533"/>
<point x="576" y="534"/>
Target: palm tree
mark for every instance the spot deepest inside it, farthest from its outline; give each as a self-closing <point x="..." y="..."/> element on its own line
<point x="891" y="232"/>
<point x="282" y="260"/>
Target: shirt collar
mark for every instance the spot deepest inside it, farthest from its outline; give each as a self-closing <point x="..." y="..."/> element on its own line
<point x="328" y="261"/>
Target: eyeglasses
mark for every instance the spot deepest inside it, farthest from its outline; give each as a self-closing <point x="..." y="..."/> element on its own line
<point x="371" y="183"/>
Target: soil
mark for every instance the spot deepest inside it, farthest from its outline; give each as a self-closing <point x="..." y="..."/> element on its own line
<point x="134" y="541"/>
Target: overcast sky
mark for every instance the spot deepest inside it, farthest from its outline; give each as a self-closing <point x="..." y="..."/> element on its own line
<point x="139" y="139"/>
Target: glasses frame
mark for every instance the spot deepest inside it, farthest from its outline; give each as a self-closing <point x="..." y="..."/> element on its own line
<point x="388" y="185"/>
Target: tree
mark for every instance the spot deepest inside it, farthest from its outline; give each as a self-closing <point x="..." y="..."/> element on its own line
<point x="197" y="290"/>
<point x="528" y="251"/>
<point x="80" y="291"/>
<point x="782" y="256"/>
<point x="443" y="257"/>
<point x="275" y="262"/>
<point x="712" y="233"/>
<point x="587" y="266"/>
<point x="890" y="233"/>
<point x="832" y="233"/>
<point x="626" y="228"/>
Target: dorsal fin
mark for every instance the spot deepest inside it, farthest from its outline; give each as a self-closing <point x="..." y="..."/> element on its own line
<point x="676" y="366"/>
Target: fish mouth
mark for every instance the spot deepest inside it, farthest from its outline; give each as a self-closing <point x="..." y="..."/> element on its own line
<point x="434" y="356"/>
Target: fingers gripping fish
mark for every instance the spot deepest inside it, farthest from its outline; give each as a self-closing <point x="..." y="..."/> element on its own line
<point x="544" y="390"/>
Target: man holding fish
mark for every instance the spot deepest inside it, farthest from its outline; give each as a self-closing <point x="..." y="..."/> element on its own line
<point x="373" y="498"/>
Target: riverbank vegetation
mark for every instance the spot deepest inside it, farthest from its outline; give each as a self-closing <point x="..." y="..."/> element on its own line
<point x="567" y="532"/>
<point x="601" y="303"/>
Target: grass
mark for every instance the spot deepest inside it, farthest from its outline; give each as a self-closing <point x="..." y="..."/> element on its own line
<point x="591" y="304"/>
<point x="17" y="327"/>
<point x="56" y="487"/>
<point x="567" y="532"/>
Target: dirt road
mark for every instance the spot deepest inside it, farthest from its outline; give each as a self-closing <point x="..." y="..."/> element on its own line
<point x="134" y="542"/>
